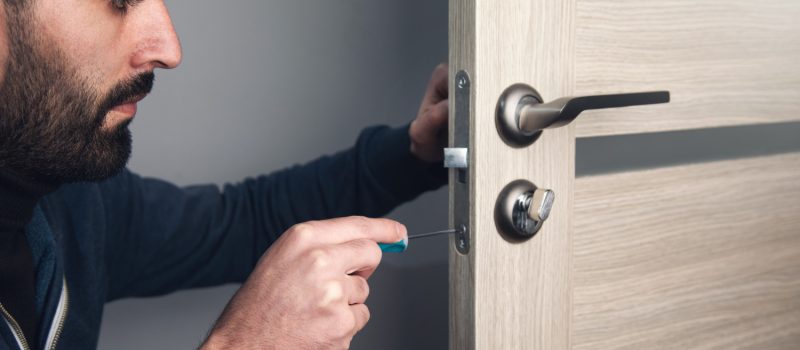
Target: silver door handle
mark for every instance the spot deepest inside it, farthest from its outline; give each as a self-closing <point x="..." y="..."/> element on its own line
<point x="522" y="114"/>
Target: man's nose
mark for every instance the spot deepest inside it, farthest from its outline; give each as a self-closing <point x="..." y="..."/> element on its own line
<point x="158" y="45"/>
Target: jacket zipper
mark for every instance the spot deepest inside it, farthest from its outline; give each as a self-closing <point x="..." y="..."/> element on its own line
<point x="52" y="338"/>
<point x="15" y="328"/>
<point x="60" y="317"/>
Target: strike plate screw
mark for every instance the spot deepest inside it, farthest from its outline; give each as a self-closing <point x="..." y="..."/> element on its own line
<point x="462" y="82"/>
<point x="461" y="237"/>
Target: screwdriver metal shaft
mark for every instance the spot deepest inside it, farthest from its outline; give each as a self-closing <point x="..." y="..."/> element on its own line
<point x="401" y="246"/>
<point x="431" y="234"/>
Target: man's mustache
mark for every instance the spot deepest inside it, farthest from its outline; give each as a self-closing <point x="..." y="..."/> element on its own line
<point x="128" y="90"/>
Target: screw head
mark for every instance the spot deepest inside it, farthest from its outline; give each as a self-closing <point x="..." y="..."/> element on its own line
<point x="461" y="82"/>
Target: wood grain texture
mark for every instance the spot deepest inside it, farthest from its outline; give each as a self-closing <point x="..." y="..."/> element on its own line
<point x="517" y="295"/>
<point x="703" y="256"/>
<point x="726" y="62"/>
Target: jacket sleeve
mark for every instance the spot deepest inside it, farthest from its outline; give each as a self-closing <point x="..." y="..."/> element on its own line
<point x="163" y="238"/>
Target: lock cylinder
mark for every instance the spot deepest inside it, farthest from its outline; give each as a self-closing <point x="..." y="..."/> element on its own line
<point x="522" y="209"/>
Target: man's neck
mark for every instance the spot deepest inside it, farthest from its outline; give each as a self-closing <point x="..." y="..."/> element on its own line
<point x="18" y="198"/>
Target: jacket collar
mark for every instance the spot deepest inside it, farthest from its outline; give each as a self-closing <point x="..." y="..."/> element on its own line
<point x="18" y="198"/>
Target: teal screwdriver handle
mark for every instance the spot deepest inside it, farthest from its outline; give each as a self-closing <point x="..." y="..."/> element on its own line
<point x="397" y="247"/>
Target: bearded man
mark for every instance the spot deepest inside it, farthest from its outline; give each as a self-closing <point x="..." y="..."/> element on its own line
<point x="77" y="229"/>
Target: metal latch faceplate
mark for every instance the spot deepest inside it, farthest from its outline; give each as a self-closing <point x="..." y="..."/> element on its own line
<point x="459" y="160"/>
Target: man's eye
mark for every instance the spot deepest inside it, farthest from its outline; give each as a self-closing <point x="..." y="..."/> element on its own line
<point x="123" y="5"/>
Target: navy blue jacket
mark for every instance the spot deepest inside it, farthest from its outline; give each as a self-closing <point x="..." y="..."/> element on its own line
<point x="131" y="236"/>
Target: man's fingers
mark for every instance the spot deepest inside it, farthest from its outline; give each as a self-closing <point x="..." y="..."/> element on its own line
<point x="436" y="116"/>
<point x="427" y="129"/>
<point x="361" y="314"/>
<point x="358" y="290"/>
<point x="358" y="256"/>
<point x="439" y="113"/>
<point x="435" y="119"/>
<point x="437" y="86"/>
<point x="340" y="230"/>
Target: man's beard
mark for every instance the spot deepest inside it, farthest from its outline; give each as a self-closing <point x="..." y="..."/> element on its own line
<point x="51" y="120"/>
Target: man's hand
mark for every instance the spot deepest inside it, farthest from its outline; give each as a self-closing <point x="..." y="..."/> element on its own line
<point x="308" y="290"/>
<point x="429" y="131"/>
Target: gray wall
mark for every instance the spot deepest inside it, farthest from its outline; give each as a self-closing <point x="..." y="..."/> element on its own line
<point x="266" y="84"/>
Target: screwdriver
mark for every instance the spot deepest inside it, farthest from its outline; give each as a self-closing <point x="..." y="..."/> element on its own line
<point x="401" y="246"/>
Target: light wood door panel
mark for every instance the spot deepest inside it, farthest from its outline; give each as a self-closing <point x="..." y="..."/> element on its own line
<point x="500" y="44"/>
<point x="726" y="62"/>
<point x="703" y="256"/>
<point x="700" y="256"/>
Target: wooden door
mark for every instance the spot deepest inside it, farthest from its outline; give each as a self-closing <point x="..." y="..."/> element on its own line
<point x="703" y="255"/>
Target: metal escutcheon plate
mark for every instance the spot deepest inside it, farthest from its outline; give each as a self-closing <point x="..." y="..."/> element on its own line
<point x="515" y="225"/>
<point x="508" y="111"/>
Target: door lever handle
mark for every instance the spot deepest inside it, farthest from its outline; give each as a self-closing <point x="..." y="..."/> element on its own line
<point x="536" y="116"/>
<point x="522" y="114"/>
